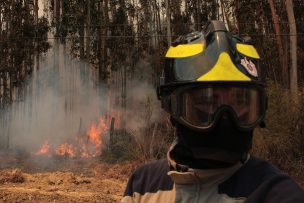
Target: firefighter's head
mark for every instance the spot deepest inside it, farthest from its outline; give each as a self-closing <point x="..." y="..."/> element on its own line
<point x="213" y="88"/>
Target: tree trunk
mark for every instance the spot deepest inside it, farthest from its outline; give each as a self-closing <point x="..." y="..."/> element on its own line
<point x="214" y="10"/>
<point x="104" y="38"/>
<point x="223" y="5"/>
<point x="57" y="16"/>
<point x="36" y="11"/>
<point x="100" y="46"/>
<point x="293" y="50"/>
<point x="159" y="31"/>
<point x="168" y="16"/>
<point x="81" y="34"/>
<point x="275" y="19"/>
<point x="223" y="12"/>
<point x="88" y="30"/>
<point x="1" y="25"/>
<point x="55" y="9"/>
<point x="198" y="16"/>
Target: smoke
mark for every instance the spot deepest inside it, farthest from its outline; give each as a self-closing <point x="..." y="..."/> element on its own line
<point x="63" y="98"/>
<point x="143" y="106"/>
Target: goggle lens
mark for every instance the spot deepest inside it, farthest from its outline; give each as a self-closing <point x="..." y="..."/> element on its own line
<point x="201" y="105"/>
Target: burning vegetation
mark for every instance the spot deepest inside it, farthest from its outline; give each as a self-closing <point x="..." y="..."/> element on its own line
<point x="85" y="145"/>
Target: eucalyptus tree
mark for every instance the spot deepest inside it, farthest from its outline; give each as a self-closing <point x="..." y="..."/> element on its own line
<point x="101" y="30"/>
<point x="22" y="37"/>
<point x="293" y="50"/>
<point x="277" y="29"/>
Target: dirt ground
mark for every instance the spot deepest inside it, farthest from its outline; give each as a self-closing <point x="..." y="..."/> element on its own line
<point x="61" y="179"/>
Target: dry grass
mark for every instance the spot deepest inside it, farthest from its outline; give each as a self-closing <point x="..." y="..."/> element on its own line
<point x="282" y="141"/>
<point x="78" y="182"/>
<point x="11" y="176"/>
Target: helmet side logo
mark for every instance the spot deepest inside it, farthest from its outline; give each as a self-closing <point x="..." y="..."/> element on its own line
<point x="250" y="67"/>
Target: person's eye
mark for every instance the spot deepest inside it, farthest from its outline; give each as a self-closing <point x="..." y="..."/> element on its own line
<point x="209" y="99"/>
<point x="242" y="99"/>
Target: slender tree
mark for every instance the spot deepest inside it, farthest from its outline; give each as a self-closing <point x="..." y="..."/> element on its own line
<point x="88" y="30"/>
<point x="104" y="38"/>
<point x="278" y="38"/>
<point x="168" y="17"/>
<point x="293" y="50"/>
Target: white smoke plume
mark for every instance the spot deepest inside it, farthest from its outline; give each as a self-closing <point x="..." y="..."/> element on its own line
<point x="63" y="98"/>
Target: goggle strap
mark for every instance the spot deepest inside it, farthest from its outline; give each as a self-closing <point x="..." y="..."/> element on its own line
<point x="262" y="124"/>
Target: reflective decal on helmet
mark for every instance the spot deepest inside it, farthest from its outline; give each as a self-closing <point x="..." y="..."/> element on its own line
<point x="185" y="50"/>
<point x="247" y="50"/>
<point x="224" y="70"/>
<point x="250" y="67"/>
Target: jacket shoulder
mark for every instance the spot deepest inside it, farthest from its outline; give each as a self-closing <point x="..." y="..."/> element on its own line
<point x="279" y="188"/>
<point x="260" y="181"/>
<point x="248" y="178"/>
<point x="150" y="178"/>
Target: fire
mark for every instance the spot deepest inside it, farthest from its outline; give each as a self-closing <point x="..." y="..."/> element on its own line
<point x="93" y="135"/>
<point x="84" y="153"/>
<point x="87" y="145"/>
<point x="94" y="138"/>
<point x="95" y="132"/>
<point x="66" y="150"/>
<point x="45" y="149"/>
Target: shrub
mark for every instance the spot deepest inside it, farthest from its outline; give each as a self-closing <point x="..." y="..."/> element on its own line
<point x="282" y="141"/>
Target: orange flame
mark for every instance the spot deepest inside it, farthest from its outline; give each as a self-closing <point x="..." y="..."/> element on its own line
<point x="45" y="149"/>
<point x="66" y="150"/>
<point x="95" y="133"/>
<point x="87" y="145"/>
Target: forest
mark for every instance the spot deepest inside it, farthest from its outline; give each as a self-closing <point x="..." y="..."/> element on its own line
<point x="122" y="44"/>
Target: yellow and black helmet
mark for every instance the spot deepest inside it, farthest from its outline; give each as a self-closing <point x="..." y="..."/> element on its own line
<point x="212" y="72"/>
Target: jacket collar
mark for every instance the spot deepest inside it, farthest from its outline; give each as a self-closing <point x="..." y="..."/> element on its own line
<point x="184" y="175"/>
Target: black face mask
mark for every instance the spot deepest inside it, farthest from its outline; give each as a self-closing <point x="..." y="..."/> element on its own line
<point x="222" y="146"/>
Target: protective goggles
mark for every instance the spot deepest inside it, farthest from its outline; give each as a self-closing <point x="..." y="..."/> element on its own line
<point x="201" y="106"/>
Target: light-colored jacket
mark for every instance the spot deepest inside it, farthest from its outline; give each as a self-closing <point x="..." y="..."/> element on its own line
<point x="256" y="181"/>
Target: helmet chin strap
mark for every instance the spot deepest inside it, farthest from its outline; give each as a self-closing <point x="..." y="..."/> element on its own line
<point x="221" y="147"/>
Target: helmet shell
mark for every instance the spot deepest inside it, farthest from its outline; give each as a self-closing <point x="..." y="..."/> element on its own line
<point x="211" y="56"/>
<point x="214" y="55"/>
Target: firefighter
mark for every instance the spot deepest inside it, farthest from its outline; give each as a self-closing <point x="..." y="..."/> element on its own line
<point x="214" y="89"/>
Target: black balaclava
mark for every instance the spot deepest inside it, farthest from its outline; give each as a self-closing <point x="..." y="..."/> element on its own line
<point x="221" y="147"/>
